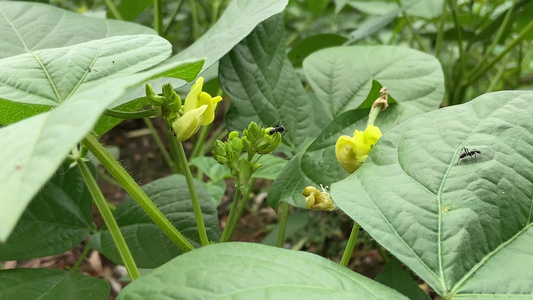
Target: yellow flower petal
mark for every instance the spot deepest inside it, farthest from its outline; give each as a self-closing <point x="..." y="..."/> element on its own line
<point x="189" y="123"/>
<point x="345" y="150"/>
<point x="192" y="100"/>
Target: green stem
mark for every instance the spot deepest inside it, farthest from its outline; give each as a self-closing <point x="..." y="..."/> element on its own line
<point x="521" y="36"/>
<point x="158" y="17"/>
<point x="136" y="193"/>
<point x="173" y="147"/>
<point x="161" y="146"/>
<point x="204" y="131"/>
<point x="240" y="209"/>
<point x="494" y="43"/>
<point x="348" y="250"/>
<point x="232" y="215"/>
<point x="114" y="10"/>
<point x="440" y="33"/>
<point x="194" y="13"/>
<point x="214" y="12"/>
<point x="130" y="115"/>
<point x="451" y="5"/>
<point x="76" y="267"/>
<point x="383" y="253"/>
<point x="194" y="196"/>
<point x="411" y="28"/>
<point x="373" y="115"/>
<point x="109" y="220"/>
<point x="283" y="223"/>
<point x="174" y="14"/>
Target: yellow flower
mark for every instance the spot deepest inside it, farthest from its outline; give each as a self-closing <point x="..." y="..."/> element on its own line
<point x="199" y="109"/>
<point x="352" y="152"/>
<point x="188" y="124"/>
<point x="316" y="199"/>
<point x="197" y="98"/>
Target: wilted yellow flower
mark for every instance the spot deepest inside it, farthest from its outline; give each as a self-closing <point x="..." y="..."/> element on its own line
<point x="316" y="199"/>
<point x="352" y="152"/>
<point x="197" y="98"/>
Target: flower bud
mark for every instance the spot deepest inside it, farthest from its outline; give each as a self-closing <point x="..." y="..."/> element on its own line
<point x="189" y="124"/>
<point x="152" y="96"/>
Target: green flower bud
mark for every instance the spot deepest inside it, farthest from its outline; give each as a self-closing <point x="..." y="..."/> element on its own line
<point x="172" y="97"/>
<point x="152" y="96"/>
<point x="273" y="142"/>
<point x="233" y="135"/>
<point x="219" y="152"/>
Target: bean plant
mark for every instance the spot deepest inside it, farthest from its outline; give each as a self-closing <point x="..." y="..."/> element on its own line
<point x="339" y="118"/>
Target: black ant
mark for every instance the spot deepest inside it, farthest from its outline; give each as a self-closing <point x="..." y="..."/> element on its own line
<point x="279" y="129"/>
<point x="467" y="152"/>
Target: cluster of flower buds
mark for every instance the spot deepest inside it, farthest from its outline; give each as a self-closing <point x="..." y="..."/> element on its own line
<point x="186" y="120"/>
<point x="316" y="199"/>
<point x="255" y="140"/>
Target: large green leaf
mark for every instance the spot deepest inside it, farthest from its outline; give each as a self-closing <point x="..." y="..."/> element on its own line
<point x="52" y="76"/>
<point x="342" y="78"/>
<point x="254" y="271"/>
<point x="463" y="225"/>
<point x="149" y="246"/>
<point x="263" y="85"/>
<point x="394" y="276"/>
<point x="29" y="27"/>
<point x="32" y="149"/>
<point x="237" y="21"/>
<point x="56" y="220"/>
<point x="46" y="284"/>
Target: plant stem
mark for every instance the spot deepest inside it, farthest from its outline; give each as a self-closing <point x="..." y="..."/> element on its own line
<point x="348" y="250"/>
<point x="174" y="14"/>
<point x="200" y="141"/>
<point x="411" y="28"/>
<point x="158" y="17"/>
<point x="136" y="193"/>
<point x="440" y="33"/>
<point x="76" y="267"/>
<point x="161" y="146"/>
<point x="194" y="14"/>
<point x="113" y="10"/>
<point x="174" y="147"/>
<point x="501" y="30"/>
<point x="521" y="36"/>
<point x="109" y="220"/>
<point x="194" y="196"/>
<point x="451" y="5"/>
<point x="383" y="253"/>
<point x="129" y="114"/>
<point x="232" y="215"/>
<point x="283" y="223"/>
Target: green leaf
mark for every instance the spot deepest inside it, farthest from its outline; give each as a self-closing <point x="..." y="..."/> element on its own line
<point x="312" y="44"/>
<point x="254" y="271"/>
<point x="32" y="149"/>
<point x="11" y="112"/>
<point x="463" y="225"/>
<point x="38" y="77"/>
<point x="345" y="78"/>
<point x="295" y="222"/>
<point x="56" y="28"/>
<point x="46" y="284"/>
<point x="56" y="220"/>
<point x="149" y="246"/>
<point x="342" y="78"/>
<point x="394" y="276"/>
<point x="130" y="9"/>
<point x="315" y="164"/>
<point x="211" y="168"/>
<point x="271" y="167"/>
<point x="237" y="21"/>
<point x="263" y="85"/>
